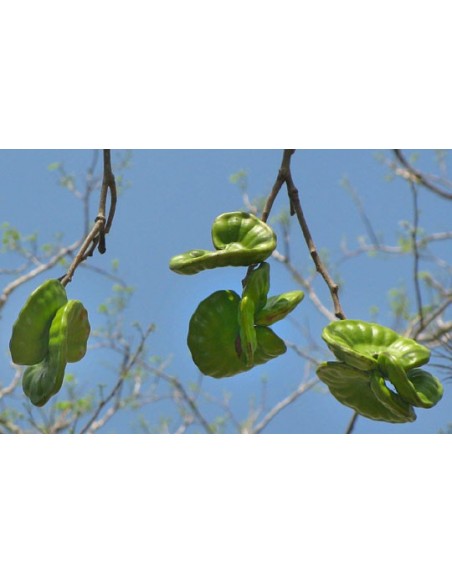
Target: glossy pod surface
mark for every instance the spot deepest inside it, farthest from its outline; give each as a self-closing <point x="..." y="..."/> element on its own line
<point x="68" y="337"/>
<point x="240" y="238"/>
<point x="213" y="335"/>
<point x="359" y="344"/>
<point x="30" y="335"/>
<point x="352" y="387"/>
<point x="278" y="307"/>
<point x="370" y="356"/>
<point x="215" y="340"/>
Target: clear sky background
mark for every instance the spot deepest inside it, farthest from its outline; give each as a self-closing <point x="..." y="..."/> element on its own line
<point x="168" y="207"/>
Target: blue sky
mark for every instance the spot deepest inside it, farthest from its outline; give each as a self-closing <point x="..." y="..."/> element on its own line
<point x="168" y="208"/>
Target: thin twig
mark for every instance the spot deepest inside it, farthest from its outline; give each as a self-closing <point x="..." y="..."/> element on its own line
<point x="414" y="231"/>
<point x="351" y="424"/>
<point x="285" y="176"/>
<point x="306" y="284"/>
<point x="128" y="362"/>
<point x="177" y="385"/>
<point x="415" y="175"/>
<point x="320" y="266"/>
<point x="280" y="180"/>
<point x="13" y="384"/>
<point x="96" y="237"/>
<point x="36" y="271"/>
<point x="283" y="404"/>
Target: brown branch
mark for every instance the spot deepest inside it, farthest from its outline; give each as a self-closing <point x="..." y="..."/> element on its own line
<point x="351" y="424"/>
<point x="304" y="283"/>
<point x="280" y="180"/>
<point x="285" y="177"/>
<point x="320" y="266"/>
<point x="416" y="176"/>
<point x="96" y="237"/>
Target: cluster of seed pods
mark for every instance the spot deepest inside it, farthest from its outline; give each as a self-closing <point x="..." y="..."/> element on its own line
<point x="49" y="332"/>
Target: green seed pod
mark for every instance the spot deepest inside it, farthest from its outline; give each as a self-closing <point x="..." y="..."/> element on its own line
<point x="394" y="402"/>
<point x="78" y="331"/>
<point x="359" y="344"/>
<point x="278" y="307"/>
<point x="417" y="387"/>
<point x="269" y="345"/>
<point x="30" y="336"/>
<point x="427" y="386"/>
<point x="241" y="240"/>
<point x="254" y="296"/>
<point x="214" y="336"/>
<point x="352" y="387"/>
<point x="68" y="336"/>
<point x="247" y="331"/>
<point x="257" y="285"/>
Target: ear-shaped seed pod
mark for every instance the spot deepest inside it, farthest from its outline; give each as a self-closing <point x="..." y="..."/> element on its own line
<point x="43" y="380"/>
<point x="68" y="335"/>
<point x="393" y="401"/>
<point x="214" y="337"/>
<point x="30" y="336"/>
<point x="417" y="387"/>
<point x="257" y="285"/>
<point x="254" y="297"/>
<point x="247" y="331"/>
<point x="427" y="386"/>
<point x="269" y="345"/>
<point x="352" y="387"/>
<point x="241" y="239"/>
<point x="278" y="307"/>
<point x="77" y="332"/>
<point x="359" y="344"/>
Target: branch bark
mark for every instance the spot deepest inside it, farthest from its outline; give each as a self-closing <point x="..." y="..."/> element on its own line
<point x="96" y="237"/>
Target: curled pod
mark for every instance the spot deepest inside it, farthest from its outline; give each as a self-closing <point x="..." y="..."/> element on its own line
<point x="254" y="297"/>
<point x="417" y="387"/>
<point x="68" y="336"/>
<point x="247" y="331"/>
<point x="359" y="344"/>
<point x="427" y="386"/>
<point x="352" y="388"/>
<point x="393" y="401"/>
<point x="278" y="307"/>
<point x="240" y="238"/>
<point x="215" y="341"/>
<point x="30" y="335"/>
<point x="257" y="285"/>
<point x="214" y="335"/>
<point x="269" y="345"/>
<point x="78" y="330"/>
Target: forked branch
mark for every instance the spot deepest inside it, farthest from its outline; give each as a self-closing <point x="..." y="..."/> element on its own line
<point x="285" y="176"/>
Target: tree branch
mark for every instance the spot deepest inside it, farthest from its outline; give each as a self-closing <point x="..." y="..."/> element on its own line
<point x="416" y="176"/>
<point x="283" y="404"/>
<point x="414" y="231"/>
<point x="96" y="237"/>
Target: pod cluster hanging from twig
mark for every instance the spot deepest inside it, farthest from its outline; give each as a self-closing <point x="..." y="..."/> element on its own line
<point x="49" y="332"/>
<point x="229" y="333"/>
<point x="371" y="355"/>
